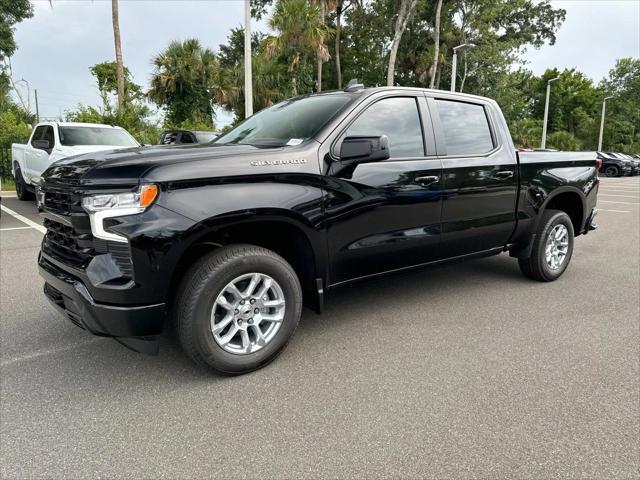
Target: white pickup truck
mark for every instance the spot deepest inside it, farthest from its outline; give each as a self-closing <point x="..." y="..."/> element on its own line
<point x="53" y="141"/>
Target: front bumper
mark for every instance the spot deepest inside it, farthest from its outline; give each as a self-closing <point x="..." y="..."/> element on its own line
<point x="137" y="327"/>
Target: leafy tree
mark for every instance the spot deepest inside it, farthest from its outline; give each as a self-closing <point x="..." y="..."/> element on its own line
<point x="405" y="12"/>
<point x="134" y="113"/>
<point x="185" y="82"/>
<point x="11" y="12"/>
<point x="563" y="141"/>
<point x="622" y="125"/>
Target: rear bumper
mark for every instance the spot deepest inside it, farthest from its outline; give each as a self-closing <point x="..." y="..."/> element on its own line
<point x="69" y="296"/>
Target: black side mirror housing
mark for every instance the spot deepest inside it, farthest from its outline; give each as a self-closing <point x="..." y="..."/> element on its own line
<point x="360" y="149"/>
<point x="41" y="144"/>
<point x="364" y="149"/>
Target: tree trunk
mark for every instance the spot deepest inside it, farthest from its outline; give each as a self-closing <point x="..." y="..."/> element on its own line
<point x="119" y="64"/>
<point x="464" y="76"/>
<point x="337" y="52"/>
<point x="436" y="40"/>
<point x="319" y="79"/>
<point x="406" y="10"/>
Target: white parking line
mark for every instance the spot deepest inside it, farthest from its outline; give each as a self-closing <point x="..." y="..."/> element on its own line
<point x="611" y="201"/>
<point x="617" y="211"/>
<point x="614" y="195"/>
<point x="14" y="228"/>
<point x="17" y="216"/>
<point x="48" y="351"/>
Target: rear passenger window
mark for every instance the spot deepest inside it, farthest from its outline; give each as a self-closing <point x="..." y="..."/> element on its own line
<point x="466" y="128"/>
<point x="398" y="119"/>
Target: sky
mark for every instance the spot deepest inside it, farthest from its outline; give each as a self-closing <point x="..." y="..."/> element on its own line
<point x="58" y="45"/>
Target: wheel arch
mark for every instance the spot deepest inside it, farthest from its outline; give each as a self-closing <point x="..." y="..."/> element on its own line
<point x="299" y="244"/>
<point x="570" y="200"/>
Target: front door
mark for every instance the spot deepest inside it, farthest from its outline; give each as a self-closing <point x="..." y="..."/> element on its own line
<point x="385" y="215"/>
<point x="40" y="159"/>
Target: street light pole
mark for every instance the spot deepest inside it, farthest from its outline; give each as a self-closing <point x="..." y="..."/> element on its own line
<point x="454" y="63"/>
<point x="546" y="113"/>
<point x="604" y="106"/>
<point x="248" y="82"/>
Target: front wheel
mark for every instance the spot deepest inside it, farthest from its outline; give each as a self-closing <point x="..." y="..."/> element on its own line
<point x="21" y="187"/>
<point x="552" y="248"/>
<point x="237" y="308"/>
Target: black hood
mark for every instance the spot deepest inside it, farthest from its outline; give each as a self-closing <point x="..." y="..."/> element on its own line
<point x="127" y="166"/>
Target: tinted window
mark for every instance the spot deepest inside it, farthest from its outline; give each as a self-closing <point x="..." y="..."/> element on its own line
<point x="187" y="138"/>
<point x="37" y="135"/>
<point x="466" y="128"/>
<point x="398" y="119"/>
<point x="115" y="137"/>
<point x="48" y="135"/>
<point x="288" y="123"/>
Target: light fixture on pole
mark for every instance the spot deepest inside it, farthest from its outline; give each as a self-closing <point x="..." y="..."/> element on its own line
<point x="248" y="82"/>
<point x="454" y="63"/>
<point x="543" y="144"/>
<point x="604" y="106"/>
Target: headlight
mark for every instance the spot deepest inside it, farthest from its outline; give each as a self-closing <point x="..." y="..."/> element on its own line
<point x="138" y="200"/>
<point x="112" y="205"/>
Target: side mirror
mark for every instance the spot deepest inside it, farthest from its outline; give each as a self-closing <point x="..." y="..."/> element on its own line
<point x="364" y="149"/>
<point x="41" y="144"/>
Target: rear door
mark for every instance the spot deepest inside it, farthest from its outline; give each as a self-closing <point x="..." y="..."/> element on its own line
<point x="385" y="215"/>
<point x="480" y="176"/>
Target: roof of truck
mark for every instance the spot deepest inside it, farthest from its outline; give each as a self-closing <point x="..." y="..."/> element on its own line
<point x="79" y="124"/>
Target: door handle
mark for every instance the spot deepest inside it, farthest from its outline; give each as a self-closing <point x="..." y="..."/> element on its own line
<point x="426" y="181"/>
<point x="505" y="174"/>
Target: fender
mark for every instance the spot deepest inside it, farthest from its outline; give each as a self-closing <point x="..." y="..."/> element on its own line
<point x="554" y="194"/>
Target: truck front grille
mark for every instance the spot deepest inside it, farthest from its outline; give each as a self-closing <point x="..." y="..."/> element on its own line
<point x="74" y="248"/>
<point x="75" y="245"/>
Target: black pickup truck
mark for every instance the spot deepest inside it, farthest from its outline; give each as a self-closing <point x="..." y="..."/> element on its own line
<point x="229" y="239"/>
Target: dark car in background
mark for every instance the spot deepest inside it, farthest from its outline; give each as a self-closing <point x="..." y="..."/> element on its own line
<point x="180" y="137"/>
<point x="614" y="165"/>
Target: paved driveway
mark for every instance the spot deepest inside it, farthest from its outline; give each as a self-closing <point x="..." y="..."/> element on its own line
<point x="465" y="370"/>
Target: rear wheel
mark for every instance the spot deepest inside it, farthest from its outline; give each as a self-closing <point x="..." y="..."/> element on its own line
<point x="21" y="187"/>
<point x="237" y="308"/>
<point x="611" y="171"/>
<point x="552" y="248"/>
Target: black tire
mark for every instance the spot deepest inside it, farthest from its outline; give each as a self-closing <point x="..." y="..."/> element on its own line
<point x="201" y="286"/>
<point x="611" y="171"/>
<point x="21" y="187"/>
<point x="536" y="266"/>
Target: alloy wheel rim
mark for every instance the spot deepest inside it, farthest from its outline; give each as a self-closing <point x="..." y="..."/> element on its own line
<point x="247" y="313"/>
<point x="557" y="246"/>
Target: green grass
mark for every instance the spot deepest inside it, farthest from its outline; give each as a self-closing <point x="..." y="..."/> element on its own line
<point x="8" y="185"/>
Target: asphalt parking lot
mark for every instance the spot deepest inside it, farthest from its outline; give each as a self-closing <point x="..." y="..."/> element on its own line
<point x="465" y="370"/>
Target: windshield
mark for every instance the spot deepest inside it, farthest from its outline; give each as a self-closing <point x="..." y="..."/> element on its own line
<point x="71" y="136"/>
<point x="204" y="137"/>
<point x="287" y="123"/>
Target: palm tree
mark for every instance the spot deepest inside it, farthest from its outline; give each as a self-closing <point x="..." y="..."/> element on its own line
<point x="325" y="6"/>
<point x="119" y="63"/>
<point x="185" y="81"/>
<point x="301" y="30"/>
